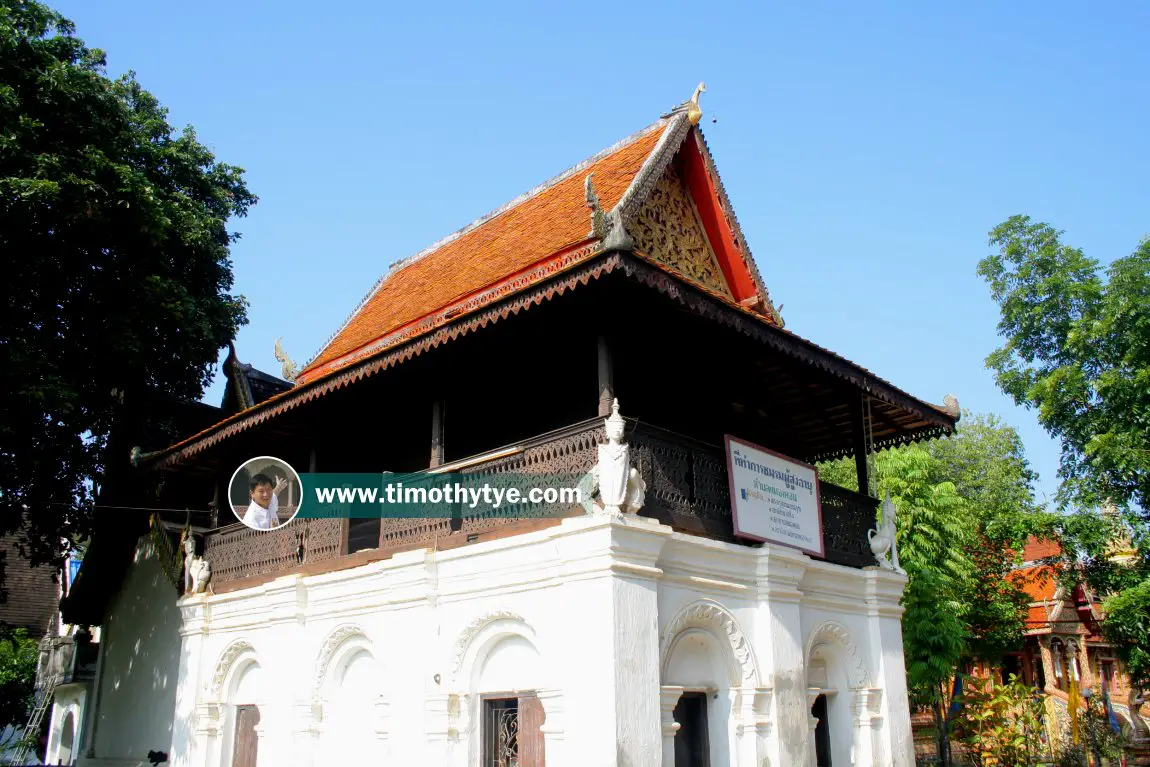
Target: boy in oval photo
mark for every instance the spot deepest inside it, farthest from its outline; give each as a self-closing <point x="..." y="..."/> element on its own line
<point x="262" y="513"/>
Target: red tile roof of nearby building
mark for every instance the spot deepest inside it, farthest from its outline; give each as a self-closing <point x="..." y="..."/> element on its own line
<point x="544" y="222"/>
<point x="1040" y="582"/>
<point x="1040" y="549"/>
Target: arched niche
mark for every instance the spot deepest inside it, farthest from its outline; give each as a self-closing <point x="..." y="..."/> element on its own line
<point x="835" y="669"/>
<point x="475" y="662"/>
<point x="237" y="682"/>
<point x="705" y="652"/>
<point x="498" y="655"/>
<point x="713" y="618"/>
<point x="349" y="698"/>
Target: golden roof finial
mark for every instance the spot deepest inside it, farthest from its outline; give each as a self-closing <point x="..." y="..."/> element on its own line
<point x="694" y="113"/>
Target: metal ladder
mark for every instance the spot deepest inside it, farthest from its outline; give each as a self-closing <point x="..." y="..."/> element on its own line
<point x="44" y="695"/>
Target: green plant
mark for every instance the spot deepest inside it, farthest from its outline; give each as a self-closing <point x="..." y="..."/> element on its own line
<point x="1001" y="724"/>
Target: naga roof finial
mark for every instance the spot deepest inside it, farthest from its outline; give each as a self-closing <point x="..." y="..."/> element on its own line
<point x="598" y="221"/>
<point x="288" y="368"/>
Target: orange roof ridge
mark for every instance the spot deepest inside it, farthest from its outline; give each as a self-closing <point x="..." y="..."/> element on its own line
<point x="401" y="264"/>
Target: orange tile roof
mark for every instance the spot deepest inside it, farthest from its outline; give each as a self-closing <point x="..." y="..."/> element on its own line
<point x="1040" y="583"/>
<point x="547" y="221"/>
<point x="1036" y="549"/>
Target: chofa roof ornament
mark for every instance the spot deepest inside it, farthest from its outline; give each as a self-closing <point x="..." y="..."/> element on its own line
<point x="950" y="405"/>
<point x="691" y="106"/>
<point x="694" y="111"/>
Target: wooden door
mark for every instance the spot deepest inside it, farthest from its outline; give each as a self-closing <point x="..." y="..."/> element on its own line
<point x="246" y="742"/>
<point x="531" y="746"/>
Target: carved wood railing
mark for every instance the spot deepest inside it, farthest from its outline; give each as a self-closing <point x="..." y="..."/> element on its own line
<point x="687" y="488"/>
<point x="237" y="551"/>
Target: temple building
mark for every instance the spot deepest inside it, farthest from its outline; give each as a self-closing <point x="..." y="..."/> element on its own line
<point x="1064" y="642"/>
<point x="641" y="631"/>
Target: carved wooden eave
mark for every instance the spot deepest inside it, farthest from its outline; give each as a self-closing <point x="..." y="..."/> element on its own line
<point x="572" y="271"/>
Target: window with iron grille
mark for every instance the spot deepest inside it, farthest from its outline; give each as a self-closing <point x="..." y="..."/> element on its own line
<point x="511" y="734"/>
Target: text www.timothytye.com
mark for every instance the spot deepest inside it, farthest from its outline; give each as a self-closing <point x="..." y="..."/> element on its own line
<point x="472" y="497"/>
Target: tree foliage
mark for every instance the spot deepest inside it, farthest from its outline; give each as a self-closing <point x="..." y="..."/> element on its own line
<point x="986" y="461"/>
<point x="984" y="466"/>
<point x="118" y="277"/>
<point x="18" y="657"/>
<point x="1077" y="351"/>
<point x="933" y="533"/>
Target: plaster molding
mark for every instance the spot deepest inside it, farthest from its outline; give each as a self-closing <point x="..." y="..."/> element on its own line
<point x="752" y="710"/>
<point x="208" y="719"/>
<point x="224" y="665"/>
<point x="335" y="641"/>
<point x="472" y="629"/>
<point x="835" y="633"/>
<point x="713" y="617"/>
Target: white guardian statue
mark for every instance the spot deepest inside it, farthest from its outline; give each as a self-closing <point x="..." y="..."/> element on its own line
<point x="883" y="541"/>
<point x="613" y="486"/>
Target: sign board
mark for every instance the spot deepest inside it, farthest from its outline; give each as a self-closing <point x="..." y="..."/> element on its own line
<point x="774" y="498"/>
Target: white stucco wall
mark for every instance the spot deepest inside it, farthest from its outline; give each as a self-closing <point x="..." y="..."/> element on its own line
<point x="608" y="621"/>
<point x="135" y="689"/>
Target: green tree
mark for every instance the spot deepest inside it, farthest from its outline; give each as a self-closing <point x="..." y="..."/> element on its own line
<point x="986" y="461"/>
<point x="934" y="532"/>
<point x="117" y="272"/>
<point x="1077" y="351"/>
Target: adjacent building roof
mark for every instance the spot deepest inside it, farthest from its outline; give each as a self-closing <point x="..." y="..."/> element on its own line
<point x="246" y="385"/>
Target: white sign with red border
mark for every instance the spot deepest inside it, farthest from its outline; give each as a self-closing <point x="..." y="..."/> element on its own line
<point x="774" y="498"/>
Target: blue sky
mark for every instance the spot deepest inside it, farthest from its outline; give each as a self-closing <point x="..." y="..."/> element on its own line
<point x="867" y="147"/>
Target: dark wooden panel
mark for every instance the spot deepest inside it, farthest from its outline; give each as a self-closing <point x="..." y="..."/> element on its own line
<point x="246" y="741"/>
<point x="531" y="717"/>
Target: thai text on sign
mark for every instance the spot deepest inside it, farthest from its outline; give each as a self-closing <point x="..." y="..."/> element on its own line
<point x="774" y="498"/>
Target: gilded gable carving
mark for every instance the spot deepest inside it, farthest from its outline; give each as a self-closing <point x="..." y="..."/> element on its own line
<point x="667" y="229"/>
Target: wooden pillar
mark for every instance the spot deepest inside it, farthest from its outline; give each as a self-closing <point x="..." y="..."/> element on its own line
<point x="437" y="433"/>
<point x="858" y="429"/>
<point x="606" y="378"/>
